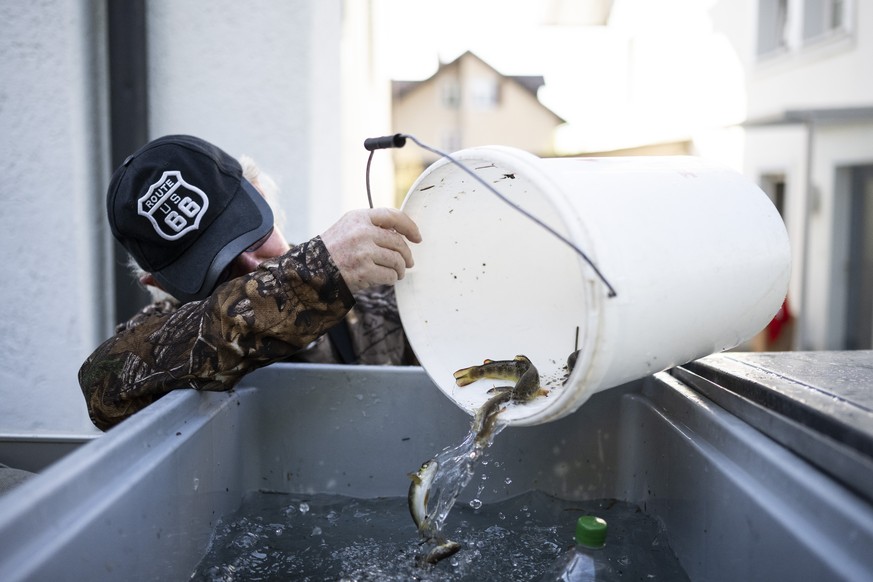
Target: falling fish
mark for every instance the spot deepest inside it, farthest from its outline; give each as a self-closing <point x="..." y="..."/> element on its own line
<point x="486" y="417"/>
<point x="418" y="497"/>
<point x="419" y="491"/>
<point x="483" y="425"/>
<point x="443" y="549"/>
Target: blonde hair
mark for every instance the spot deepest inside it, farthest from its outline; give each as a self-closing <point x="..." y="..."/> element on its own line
<point x="265" y="185"/>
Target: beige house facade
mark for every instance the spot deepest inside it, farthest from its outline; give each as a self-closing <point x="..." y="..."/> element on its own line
<point x="468" y="103"/>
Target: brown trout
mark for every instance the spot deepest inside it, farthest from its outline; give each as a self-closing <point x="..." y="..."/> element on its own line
<point x="486" y="417"/>
<point x="418" y="498"/>
<point x="519" y="370"/>
<point x="494" y="370"/>
<point x="419" y="491"/>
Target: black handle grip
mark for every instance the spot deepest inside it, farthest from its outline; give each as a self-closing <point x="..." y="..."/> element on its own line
<point x="398" y="140"/>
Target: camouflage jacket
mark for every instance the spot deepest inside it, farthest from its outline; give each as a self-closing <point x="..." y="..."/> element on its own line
<point x="279" y="312"/>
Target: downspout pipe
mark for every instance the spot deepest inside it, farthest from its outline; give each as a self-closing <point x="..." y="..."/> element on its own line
<point x="129" y="122"/>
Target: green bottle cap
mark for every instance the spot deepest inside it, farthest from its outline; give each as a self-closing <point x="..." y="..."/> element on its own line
<point x="590" y="531"/>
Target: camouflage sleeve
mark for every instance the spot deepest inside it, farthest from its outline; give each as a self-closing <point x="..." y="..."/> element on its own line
<point x="376" y="330"/>
<point x="246" y="323"/>
<point x="375" y="333"/>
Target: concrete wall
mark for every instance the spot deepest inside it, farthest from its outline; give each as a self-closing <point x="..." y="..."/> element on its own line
<point x="260" y="78"/>
<point x="366" y="102"/>
<point x="53" y="233"/>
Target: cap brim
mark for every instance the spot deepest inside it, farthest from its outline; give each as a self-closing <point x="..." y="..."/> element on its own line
<point x="245" y="220"/>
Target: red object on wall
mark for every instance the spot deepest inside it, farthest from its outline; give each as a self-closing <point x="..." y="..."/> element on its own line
<point x="779" y="321"/>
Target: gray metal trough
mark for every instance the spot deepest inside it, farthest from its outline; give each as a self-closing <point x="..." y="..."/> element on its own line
<point x="731" y="481"/>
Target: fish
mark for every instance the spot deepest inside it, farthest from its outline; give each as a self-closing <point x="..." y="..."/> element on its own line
<point x="418" y="498"/>
<point x="419" y="492"/>
<point x="442" y="550"/>
<point x="495" y="370"/>
<point x="571" y="361"/>
<point x="486" y="417"/>
<point x="527" y="386"/>
<point x="520" y="370"/>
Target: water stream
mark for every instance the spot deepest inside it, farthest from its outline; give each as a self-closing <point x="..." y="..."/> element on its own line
<point x="457" y="465"/>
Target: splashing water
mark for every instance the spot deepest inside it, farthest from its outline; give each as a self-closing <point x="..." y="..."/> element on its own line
<point x="457" y="465"/>
<point x="513" y="540"/>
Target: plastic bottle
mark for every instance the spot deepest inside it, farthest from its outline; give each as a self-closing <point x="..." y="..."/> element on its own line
<point x="587" y="560"/>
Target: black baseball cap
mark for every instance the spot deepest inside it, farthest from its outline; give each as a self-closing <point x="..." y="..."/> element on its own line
<point x="182" y="208"/>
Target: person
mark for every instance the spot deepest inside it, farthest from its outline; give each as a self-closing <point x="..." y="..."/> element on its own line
<point x="236" y="295"/>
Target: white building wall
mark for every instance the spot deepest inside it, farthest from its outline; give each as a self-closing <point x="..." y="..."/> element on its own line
<point x="366" y="102"/>
<point x="829" y="72"/>
<point x="782" y="150"/>
<point x="817" y="74"/>
<point x="52" y="227"/>
<point x="260" y="78"/>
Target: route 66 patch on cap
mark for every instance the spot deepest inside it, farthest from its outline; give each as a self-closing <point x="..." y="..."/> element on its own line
<point x="173" y="206"/>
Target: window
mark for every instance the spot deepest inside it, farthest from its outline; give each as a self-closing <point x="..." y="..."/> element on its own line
<point x="450" y="140"/>
<point x="822" y="17"/>
<point x="485" y="93"/>
<point x="789" y="25"/>
<point x="772" y="26"/>
<point x="450" y="94"/>
<point x="837" y="14"/>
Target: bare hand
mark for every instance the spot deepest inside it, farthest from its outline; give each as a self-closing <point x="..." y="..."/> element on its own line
<point x="370" y="246"/>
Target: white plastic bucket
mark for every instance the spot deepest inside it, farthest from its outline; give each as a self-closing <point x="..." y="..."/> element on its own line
<point x="697" y="254"/>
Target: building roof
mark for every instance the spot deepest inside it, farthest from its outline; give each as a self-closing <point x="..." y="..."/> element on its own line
<point x="531" y="83"/>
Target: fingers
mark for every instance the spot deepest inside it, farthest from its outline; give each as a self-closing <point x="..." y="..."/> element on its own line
<point x="370" y="246"/>
<point x="393" y="242"/>
<point x="369" y="267"/>
<point x="391" y="260"/>
<point x="393" y="219"/>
